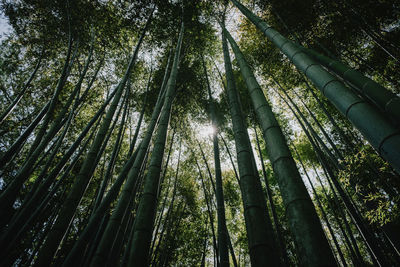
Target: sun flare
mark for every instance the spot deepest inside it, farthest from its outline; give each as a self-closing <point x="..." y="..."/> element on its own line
<point x="206" y="131"/>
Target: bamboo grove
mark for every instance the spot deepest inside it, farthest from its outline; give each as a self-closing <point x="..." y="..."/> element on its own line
<point x="200" y="133"/>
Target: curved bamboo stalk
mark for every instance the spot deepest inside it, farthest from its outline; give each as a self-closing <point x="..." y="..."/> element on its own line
<point x="303" y="219"/>
<point x="375" y="127"/>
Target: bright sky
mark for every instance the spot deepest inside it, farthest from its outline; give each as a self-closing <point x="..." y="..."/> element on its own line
<point x="4" y="26"/>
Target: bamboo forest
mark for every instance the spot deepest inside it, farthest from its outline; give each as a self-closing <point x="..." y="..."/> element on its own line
<point x="199" y="133"/>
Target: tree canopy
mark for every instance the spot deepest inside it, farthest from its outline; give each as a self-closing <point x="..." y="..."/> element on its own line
<point x="200" y="133"/>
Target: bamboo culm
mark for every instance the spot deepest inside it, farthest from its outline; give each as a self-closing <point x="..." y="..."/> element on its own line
<point x="278" y="228"/>
<point x="373" y="249"/>
<point x="144" y="221"/>
<point x="79" y="187"/>
<point x="302" y="217"/>
<point x="373" y="124"/>
<point x="379" y="95"/>
<point x="129" y="173"/>
<point x="222" y="229"/>
<point x="259" y="232"/>
<point x="15" y="102"/>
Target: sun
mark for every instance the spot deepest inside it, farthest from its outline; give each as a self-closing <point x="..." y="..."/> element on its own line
<point x="207" y="130"/>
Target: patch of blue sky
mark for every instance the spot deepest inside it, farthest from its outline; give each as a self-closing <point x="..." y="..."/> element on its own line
<point x="5" y="27"/>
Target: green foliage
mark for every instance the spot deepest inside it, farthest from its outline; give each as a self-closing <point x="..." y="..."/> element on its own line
<point x="353" y="31"/>
<point x="306" y="152"/>
<point x="365" y="172"/>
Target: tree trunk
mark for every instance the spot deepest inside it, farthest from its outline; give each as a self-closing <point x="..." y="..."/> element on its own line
<point x="325" y="217"/>
<point x="170" y="207"/>
<point x="222" y="230"/>
<point x="79" y="187"/>
<point x="143" y="226"/>
<point x="369" y="239"/>
<point x="278" y="227"/>
<point x="9" y="195"/>
<point x="130" y="172"/>
<point x="230" y="158"/>
<point x="15" y="102"/>
<point x="114" y="154"/>
<point x="303" y="219"/>
<point x="361" y="114"/>
<point x="259" y="232"/>
<point x="379" y="95"/>
<point x="210" y="213"/>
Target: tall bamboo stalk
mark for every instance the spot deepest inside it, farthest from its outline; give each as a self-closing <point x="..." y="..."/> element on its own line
<point x="259" y="231"/>
<point x="375" y="127"/>
<point x="143" y="226"/>
<point x="303" y="219"/>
